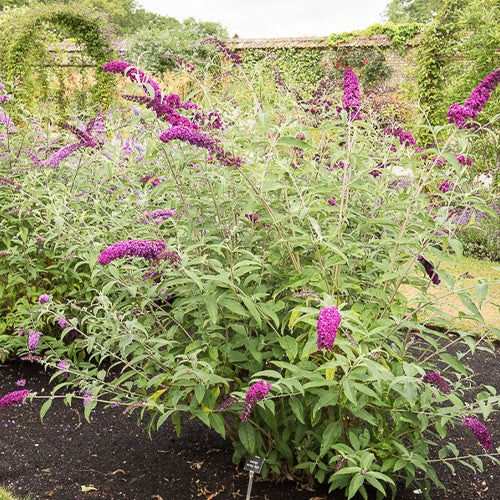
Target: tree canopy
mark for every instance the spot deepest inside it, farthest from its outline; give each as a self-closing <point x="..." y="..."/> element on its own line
<point x="412" y="11"/>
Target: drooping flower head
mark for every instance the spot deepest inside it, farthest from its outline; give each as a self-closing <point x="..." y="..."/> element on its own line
<point x="435" y="379"/>
<point x="327" y="327"/>
<point x="150" y="250"/>
<point x="458" y="114"/>
<point x="480" y="431"/>
<point x="187" y="134"/>
<point x="350" y="99"/>
<point x="63" y="322"/>
<point x="429" y="269"/>
<point x="404" y="137"/>
<point x="33" y="339"/>
<point x="14" y="398"/>
<point x="255" y="394"/>
<point x="159" y="215"/>
<point x="224" y="49"/>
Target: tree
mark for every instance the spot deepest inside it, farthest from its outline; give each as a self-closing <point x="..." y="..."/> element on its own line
<point x="412" y="11"/>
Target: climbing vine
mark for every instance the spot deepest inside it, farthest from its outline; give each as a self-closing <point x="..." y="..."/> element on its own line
<point x="35" y="27"/>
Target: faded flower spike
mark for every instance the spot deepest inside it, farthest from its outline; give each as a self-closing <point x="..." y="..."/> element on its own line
<point x="255" y="394"/>
<point x="328" y="324"/>
<point x="44" y="298"/>
<point x="435" y="379"/>
<point x="13" y="398"/>
<point x="480" y="431"/>
<point x="429" y="269"/>
<point x="150" y="250"/>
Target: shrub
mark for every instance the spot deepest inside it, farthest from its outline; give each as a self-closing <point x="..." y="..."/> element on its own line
<point x="205" y="273"/>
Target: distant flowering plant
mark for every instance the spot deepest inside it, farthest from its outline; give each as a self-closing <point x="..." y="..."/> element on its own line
<point x="14" y="398"/>
<point x="480" y="431"/>
<point x="255" y="394"/>
<point x="150" y="250"/>
<point x="327" y="327"/>
<point x="159" y="215"/>
<point x="224" y="49"/>
<point x="459" y="115"/>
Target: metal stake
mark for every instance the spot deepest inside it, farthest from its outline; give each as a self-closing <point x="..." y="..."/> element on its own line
<point x="250" y="481"/>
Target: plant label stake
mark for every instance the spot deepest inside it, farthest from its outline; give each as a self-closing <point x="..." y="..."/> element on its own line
<point x="253" y="465"/>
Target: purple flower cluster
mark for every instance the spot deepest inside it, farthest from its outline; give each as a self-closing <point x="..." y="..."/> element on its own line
<point x="404" y="137"/>
<point x="458" y="114"/>
<point x="224" y="49"/>
<point x="63" y="366"/>
<point x="480" y="431"/>
<point x="327" y="327"/>
<point x="44" y="298"/>
<point x="435" y="379"/>
<point x="151" y="250"/>
<point x="429" y="269"/>
<point x="189" y="135"/>
<point x="14" y="398"/>
<point x="332" y="202"/>
<point x="350" y="99"/>
<point x="33" y="340"/>
<point x="180" y="61"/>
<point x="226" y="404"/>
<point x="62" y="322"/>
<point x="255" y="394"/>
<point x="252" y="217"/>
<point x="445" y="186"/>
<point x="93" y="135"/>
<point x="159" y="215"/>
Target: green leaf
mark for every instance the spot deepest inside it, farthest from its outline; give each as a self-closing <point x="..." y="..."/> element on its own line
<point x="246" y="433"/>
<point x="331" y="434"/>
<point x="297" y="408"/>
<point x="45" y="408"/>
<point x="355" y="484"/>
<point x="289" y="344"/>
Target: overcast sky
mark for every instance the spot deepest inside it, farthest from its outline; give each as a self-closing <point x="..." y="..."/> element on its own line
<point x="275" y="18"/>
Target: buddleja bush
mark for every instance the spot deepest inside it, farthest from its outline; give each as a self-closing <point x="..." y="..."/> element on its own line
<point x="254" y="267"/>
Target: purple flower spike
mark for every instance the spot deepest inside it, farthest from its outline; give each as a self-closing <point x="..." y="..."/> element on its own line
<point x="151" y="250"/>
<point x="255" y="394"/>
<point x="63" y="365"/>
<point x="480" y="431"/>
<point x="44" y="298"/>
<point x="429" y="269"/>
<point x="159" y="215"/>
<point x="474" y="104"/>
<point x="435" y="379"/>
<point x="63" y="322"/>
<point x="328" y="324"/>
<point x="350" y="99"/>
<point x="33" y="339"/>
<point x="187" y="134"/>
<point x="14" y="398"/>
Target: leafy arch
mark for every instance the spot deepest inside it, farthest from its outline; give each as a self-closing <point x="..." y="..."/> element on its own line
<point x="87" y="28"/>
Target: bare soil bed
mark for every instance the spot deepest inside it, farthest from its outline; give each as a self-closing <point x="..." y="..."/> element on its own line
<point x="67" y="458"/>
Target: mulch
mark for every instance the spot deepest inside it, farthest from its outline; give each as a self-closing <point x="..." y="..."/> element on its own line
<point x="67" y="458"/>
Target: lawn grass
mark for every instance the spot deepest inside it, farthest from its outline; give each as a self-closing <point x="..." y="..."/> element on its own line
<point x="472" y="275"/>
<point x="5" y="495"/>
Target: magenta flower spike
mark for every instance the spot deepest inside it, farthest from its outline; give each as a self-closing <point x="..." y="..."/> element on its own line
<point x="480" y="431"/>
<point x="150" y="250"/>
<point x="429" y="269"/>
<point x="14" y="398"/>
<point x="255" y="394"/>
<point x="350" y="99"/>
<point x="327" y="327"/>
<point x="459" y="115"/>
<point x="435" y="379"/>
<point x="33" y="340"/>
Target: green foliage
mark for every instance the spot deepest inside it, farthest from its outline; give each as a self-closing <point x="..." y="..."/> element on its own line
<point x="256" y="252"/>
<point x="408" y="11"/>
<point x="27" y="41"/>
<point x="148" y="45"/>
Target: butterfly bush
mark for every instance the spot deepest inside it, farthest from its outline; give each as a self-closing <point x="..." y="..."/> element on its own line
<point x="472" y="106"/>
<point x="435" y="379"/>
<point x="33" y="340"/>
<point x="429" y="269"/>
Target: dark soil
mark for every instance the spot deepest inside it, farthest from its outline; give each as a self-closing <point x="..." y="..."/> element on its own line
<point x="66" y="458"/>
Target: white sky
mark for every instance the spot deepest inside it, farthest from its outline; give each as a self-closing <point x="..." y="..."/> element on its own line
<point x="275" y="18"/>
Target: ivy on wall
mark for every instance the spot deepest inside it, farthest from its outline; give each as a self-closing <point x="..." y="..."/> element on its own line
<point x="33" y="30"/>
